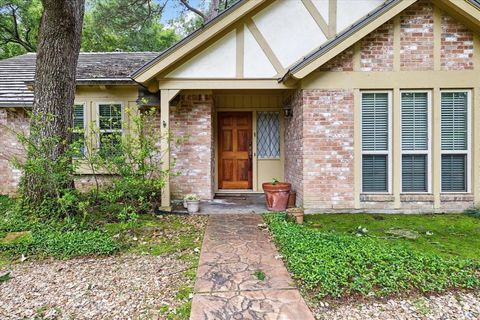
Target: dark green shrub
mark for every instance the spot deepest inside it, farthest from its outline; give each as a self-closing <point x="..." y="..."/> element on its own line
<point x="473" y="211"/>
<point x="336" y="265"/>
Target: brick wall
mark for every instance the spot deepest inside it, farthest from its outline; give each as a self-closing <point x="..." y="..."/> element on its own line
<point x="457" y="45"/>
<point x="416" y="37"/>
<point x="376" y="49"/>
<point x="342" y="62"/>
<point x="294" y="145"/>
<point x="328" y="148"/>
<point x="192" y="119"/>
<point x="11" y="121"/>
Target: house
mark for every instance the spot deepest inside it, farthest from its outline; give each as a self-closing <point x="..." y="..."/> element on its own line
<point x="362" y="105"/>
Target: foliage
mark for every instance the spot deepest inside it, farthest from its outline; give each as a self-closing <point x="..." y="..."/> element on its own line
<point x="19" y="22"/>
<point x="444" y="234"/>
<point x="473" y="211"/>
<point x="123" y="25"/>
<point x="59" y="238"/>
<point x="336" y="265"/>
<point x="54" y="174"/>
<point x="191" y="197"/>
<point x="134" y="159"/>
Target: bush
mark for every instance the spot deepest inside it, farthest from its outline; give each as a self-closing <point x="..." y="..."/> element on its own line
<point x="336" y="265"/>
<point x="473" y="211"/>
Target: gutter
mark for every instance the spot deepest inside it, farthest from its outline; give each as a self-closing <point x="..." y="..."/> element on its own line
<point x="340" y="37"/>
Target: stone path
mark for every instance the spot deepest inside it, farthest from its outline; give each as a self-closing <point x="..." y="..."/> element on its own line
<point x="235" y="254"/>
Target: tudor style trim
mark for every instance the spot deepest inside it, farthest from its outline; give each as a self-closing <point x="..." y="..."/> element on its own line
<point x="197" y="38"/>
<point x="318" y="18"/>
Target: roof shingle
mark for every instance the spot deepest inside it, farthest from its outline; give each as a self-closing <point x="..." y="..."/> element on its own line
<point x="92" y="67"/>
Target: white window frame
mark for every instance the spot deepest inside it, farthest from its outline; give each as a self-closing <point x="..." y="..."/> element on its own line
<point x="388" y="153"/>
<point x="85" y="120"/>
<point x="97" y="124"/>
<point x="467" y="152"/>
<point x="427" y="152"/>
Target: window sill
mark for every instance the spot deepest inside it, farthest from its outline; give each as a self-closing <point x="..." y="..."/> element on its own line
<point x="416" y="197"/>
<point x="376" y="197"/>
<point x="457" y="197"/>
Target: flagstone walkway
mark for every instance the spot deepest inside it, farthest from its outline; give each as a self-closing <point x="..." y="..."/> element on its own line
<point x="239" y="276"/>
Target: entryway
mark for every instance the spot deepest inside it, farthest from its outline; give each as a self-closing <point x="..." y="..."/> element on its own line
<point x="235" y="150"/>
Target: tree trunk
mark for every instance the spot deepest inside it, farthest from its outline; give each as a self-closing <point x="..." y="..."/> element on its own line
<point x="57" y="57"/>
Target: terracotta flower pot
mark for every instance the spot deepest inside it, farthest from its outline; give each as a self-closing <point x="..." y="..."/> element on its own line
<point x="277" y="195"/>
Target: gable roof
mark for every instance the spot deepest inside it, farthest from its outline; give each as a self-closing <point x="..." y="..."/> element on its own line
<point x="103" y="68"/>
<point x="469" y="9"/>
<point x="205" y="33"/>
<point x="361" y="28"/>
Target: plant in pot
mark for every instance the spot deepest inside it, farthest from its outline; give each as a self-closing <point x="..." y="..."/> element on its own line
<point x="192" y="202"/>
<point x="276" y="194"/>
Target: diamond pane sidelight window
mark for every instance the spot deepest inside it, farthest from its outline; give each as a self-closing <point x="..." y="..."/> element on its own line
<point x="268" y="135"/>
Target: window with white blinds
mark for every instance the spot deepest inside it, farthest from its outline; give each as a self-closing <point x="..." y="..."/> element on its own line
<point x="78" y="134"/>
<point x="376" y="141"/>
<point x="415" y="128"/>
<point x="455" y="140"/>
<point x="110" y="128"/>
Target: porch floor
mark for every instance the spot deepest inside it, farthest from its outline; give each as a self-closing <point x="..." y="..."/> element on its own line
<point x="231" y="204"/>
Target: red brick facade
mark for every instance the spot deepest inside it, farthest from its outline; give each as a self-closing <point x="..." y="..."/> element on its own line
<point x="457" y="45"/>
<point x="191" y="121"/>
<point x="376" y="53"/>
<point x="12" y="121"/>
<point x="416" y="37"/>
<point x="294" y="145"/>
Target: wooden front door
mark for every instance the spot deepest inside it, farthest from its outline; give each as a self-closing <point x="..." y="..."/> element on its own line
<point x="235" y="150"/>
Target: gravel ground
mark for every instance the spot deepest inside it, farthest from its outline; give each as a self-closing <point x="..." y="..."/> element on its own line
<point x="116" y="287"/>
<point x="449" y="306"/>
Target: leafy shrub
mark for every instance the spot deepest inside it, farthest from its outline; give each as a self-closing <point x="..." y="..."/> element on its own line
<point x="335" y="265"/>
<point x="473" y="211"/>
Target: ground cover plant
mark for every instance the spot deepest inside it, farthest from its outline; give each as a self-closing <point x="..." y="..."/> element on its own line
<point x="340" y="264"/>
<point x="445" y="234"/>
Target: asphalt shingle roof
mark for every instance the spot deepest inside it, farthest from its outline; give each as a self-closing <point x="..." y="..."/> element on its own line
<point x="115" y="67"/>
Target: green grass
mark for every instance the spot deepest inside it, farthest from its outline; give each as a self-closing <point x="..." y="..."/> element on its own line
<point x="342" y="264"/>
<point x="448" y="235"/>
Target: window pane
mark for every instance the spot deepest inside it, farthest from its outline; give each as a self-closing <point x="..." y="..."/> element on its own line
<point x="454" y="120"/>
<point x="110" y="143"/>
<point x="414" y="121"/>
<point x="414" y="173"/>
<point x="78" y="116"/>
<point x="268" y="135"/>
<point x="78" y="140"/>
<point x="454" y="173"/>
<point x="375" y="121"/>
<point x="110" y="116"/>
<point x="374" y="172"/>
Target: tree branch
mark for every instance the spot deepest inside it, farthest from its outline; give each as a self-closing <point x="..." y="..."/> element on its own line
<point x="194" y="10"/>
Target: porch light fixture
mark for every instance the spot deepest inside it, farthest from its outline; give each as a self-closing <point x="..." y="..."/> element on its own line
<point x="287" y="111"/>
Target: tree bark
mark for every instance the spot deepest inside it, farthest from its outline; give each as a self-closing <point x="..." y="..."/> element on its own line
<point x="56" y="64"/>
